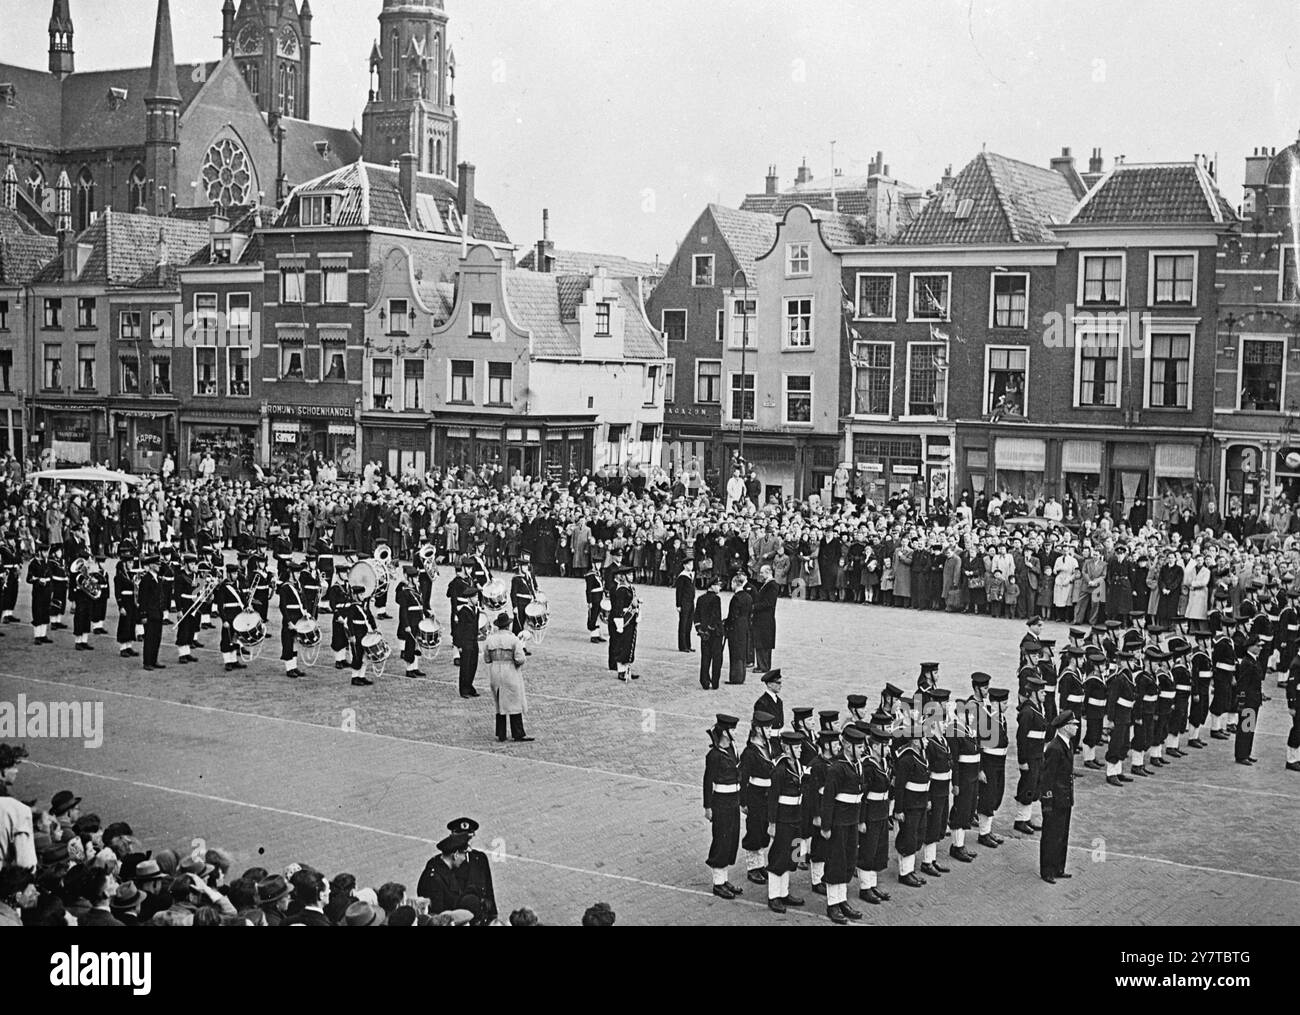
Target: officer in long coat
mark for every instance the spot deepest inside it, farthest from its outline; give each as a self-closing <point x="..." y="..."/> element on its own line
<point x="474" y="876"/>
<point x="1057" y="797"/>
<point x="739" y="612"/>
<point x="505" y="655"/>
<point x="763" y="620"/>
<point x="709" y="626"/>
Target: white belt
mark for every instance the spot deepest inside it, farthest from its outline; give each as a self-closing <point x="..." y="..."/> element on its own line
<point x="1204" y="674"/>
<point x="789" y="801"/>
<point x="994" y="752"/>
<point x="1184" y="687"/>
<point x="968" y="759"/>
<point x="1167" y="694"/>
<point x="1124" y="702"/>
<point x="760" y="782"/>
<point x="1230" y="667"/>
<point x="848" y="798"/>
<point x="878" y="796"/>
<point x="1037" y="734"/>
<point x="918" y="787"/>
<point x="1150" y="697"/>
<point x="1293" y="627"/>
<point x="940" y="776"/>
<point x="1097" y="702"/>
<point x="1074" y="697"/>
<point x="726" y="787"/>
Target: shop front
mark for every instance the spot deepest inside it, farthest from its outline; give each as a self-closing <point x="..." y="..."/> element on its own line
<point x="299" y="431"/>
<point x="396" y="442"/>
<point x="787" y="465"/>
<point x="70" y="434"/>
<point x="231" y="439"/>
<point x="11" y="431"/>
<point x="555" y="449"/>
<point x="689" y="445"/>
<point x="888" y="465"/>
<point x="142" y="438"/>
<point x="1254" y="469"/>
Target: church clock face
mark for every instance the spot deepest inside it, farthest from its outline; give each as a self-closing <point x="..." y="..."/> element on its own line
<point x="249" y="42"/>
<point x="287" y="45"/>
<point x="227" y="174"/>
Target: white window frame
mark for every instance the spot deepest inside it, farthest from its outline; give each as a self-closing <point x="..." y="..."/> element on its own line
<point x="94" y="366"/>
<point x="670" y="381"/>
<point x="695" y="259"/>
<point x="473" y="380"/>
<point x="216" y="371"/>
<point x="122" y="316"/>
<point x="202" y="334"/>
<point x="988" y="395"/>
<point x="474" y="315"/>
<point x="122" y="363"/>
<point x="169" y="337"/>
<point x="1175" y="327"/>
<point x="403" y="318"/>
<point x="993" y="300"/>
<point x="298" y="268"/>
<point x="785" y="399"/>
<point x="686" y="323"/>
<point x="392" y="395"/>
<point x="785" y="324"/>
<point x="893" y="296"/>
<point x="736" y="323"/>
<point x="287" y="348"/>
<point x="893" y="359"/>
<point x="487" y="383"/>
<point x="907" y="383"/>
<point x="1241" y="361"/>
<point x="1151" y="276"/>
<point x="911" y="299"/>
<point x="731" y="375"/>
<point x="423" y="379"/>
<point x="230" y="317"/>
<point x="333" y="270"/>
<point x="695" y="399"/>
<point x="1084" y="256"/>
<point x="790" y="247"/>
<point x="87" y="302"/>
<point x="248" y="371"/>
<point x="321" y="212"/>
<point x="1092" y="327"/>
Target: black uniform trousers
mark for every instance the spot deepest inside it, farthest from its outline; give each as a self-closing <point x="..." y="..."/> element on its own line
<point x="126" y="623"/>
<point x="756" y="826"/>
<point x="468" y="665"/>
<point x="873" y="846"/>
<point x="685" y="620"/>
<point x="726" y="833"/>
<point x="1027" y="786"/>
<point x="936" y="819"/>
<point x="994" y="769"/>
<point x="711" y="661"/>
<point x="781" y="857"/>
<point x="8" y="589"/>
<point x="1094" y="722"/>
<point x="40" y="605"/>
<point x="1055" y="841"/>
<point x="1118" y="748"/>
<point x="911" y="830"/>
<point x="99" y="609"/>
<point x="82" y="609"/>
<point x="841" y="854"/>
<point x="1200" y="704"/>
<point x="187" y="629"/>
<point x="153" y="629"/>
<point x="1244" y="744"/>
<point x="410" y="650"/>
<point x="593" y="616"/>
<point x="966" y="782"/>
<point x="288" y="643"/>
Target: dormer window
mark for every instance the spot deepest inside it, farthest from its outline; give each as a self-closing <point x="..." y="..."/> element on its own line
<point x="316" y="210"/>
<point x="221" y="250"/>
<point x="602" y="320"/>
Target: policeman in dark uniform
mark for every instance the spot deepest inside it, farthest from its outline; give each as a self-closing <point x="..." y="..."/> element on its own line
<point x="151" y="610"/>
<point x="1057" y="795"/>
<point x="784" y="811"/>
<point x="770" y="700"/>
<point x="708" y="624"/>
<point x="684" y="589"/>
<point x="722" y="804"/>
<point x="755" y="783"/>
<point x="463" y="594"/>
<point x="410" y="612"/>
<point x="291" y="611"/>
<point x="963" y="745"/>
<point x="438" y="882"/>
<point x="1121" y="697"/>
<point x="1031" y="735"/>
<point x="877" y="795"/>
<point x="841" y="814"/>
<point x="994" y="743"/>
<point x="938" y="757"/>
<point x="474" y="876"/>
<point x="911" y="800"/>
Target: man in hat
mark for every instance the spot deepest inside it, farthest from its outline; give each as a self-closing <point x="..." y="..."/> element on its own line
<point x="828" y="749"/>
<point x="1147" y="685"/>
<point x="273" y="894"/>
<point x="928" y="678"/>
<point x="1057" y="797"/>
<point x="684" y="587"/>
<point x="58" y="574"/>
<point x="1069" y="686"/>
<point x="911" y="798"/>
<point x="877" y="789"/>
<point x="310" y="584"/>
<point x="963" y="745"/>
<point x="1293" y="706"/>
<point x="841" y="814"/>
<point x="1031" y="734"/>
<point x="770" y="700"/>
<point x="38" y="577"/>
<point x="410" y="612"/>
<point x="505" y="655"/>
<point x="151" y="610"/>
<point x="763" y="619"/>
<point x="938" y="756"/>
<point x="439" y="882"/>
<point x="338" y="595"/>
<point x="464" y="594"/>
<point x="125" y="905"/>
<point x="152" y="882"/>
<point x="1223" y="696"/>
<point x="523" y="591"/>
<point x="292" y="611"/>
<point x="1094" y="704"/>
<point x="784" y="810"/>
<point x="595" y="593"/>
<point x="1029" y="643"/>
<point x="755" y="783"/>
<point x="474" y="876"/>
<point x="124" y="593"/>
<point x="708" y="624"/>
<point x="1201" y="666"/>
<point x="1121" y="697"/>
<point x="722" y="804"/>
<point x="1250" y="698"/>
<point x="623" y="617"/>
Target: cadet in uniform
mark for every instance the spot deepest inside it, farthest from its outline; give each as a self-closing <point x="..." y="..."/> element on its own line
<point x="912" y="798"/>
<point x="151" y="609"/>
<point x="1224" y="656"/>
<point x="1069" y="686"/>
<point x="595" y="593"/>
<point x="338" y="596"/>
<point x="523" y="591"/>
<point x="841" y="814"/>
<point x="291" y="611"/>
<point x="83" y="606"/>
<point x="877" y="806"/>
<point x="722" y="804"/>
<point x="939" y="759"/>
<point x="1293" y="706"/>
<point x="1181" y="676"/>
<point x="187" y="616"/>
<point x="828" y="739"/>
<point x="755" y="783"/>
<point x="1250" y="698"/>
<point x="38" y="577"/>
<point x="623" y="625"/>
<point x="1031" y="734"/>
<point x="463" y="594"/>
<point x="1094" y="705"/>
<point x="1201" y="666"/>
<point x="684" y="588"/>
<point x="993" y="755"/>
<point x="964" y="748"/>
<point x="1144" y="715"/>
<point x="1057" y="797"/>
<point x="1120" y="699"/>
<point x="360" y="623"/>
<point x="230" y="604"/>
<point x="410" y="611"/>
<point x="784" y="810"/>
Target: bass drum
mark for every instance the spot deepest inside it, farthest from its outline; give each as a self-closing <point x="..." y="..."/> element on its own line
<point x="365" y="575"/>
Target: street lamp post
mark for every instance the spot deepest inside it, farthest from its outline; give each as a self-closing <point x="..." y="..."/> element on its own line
<point x="744" y="352"/>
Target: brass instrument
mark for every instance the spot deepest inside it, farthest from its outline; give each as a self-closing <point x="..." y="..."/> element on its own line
<point x="428" y="558"/>
<point x="205" y="584"/>
<point x="89" y="581"/>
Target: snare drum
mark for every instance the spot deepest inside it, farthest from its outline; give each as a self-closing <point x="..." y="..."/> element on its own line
<point x="428" y="634"/>
<point x="375" y="647"/>
<point x="307" y="632"/>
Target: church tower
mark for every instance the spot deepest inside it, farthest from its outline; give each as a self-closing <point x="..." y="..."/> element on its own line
<point x="61" y="61"/>
<point x="162" y="103"/>
<point x="412" y="105"/>
<point x="271" y="43"/>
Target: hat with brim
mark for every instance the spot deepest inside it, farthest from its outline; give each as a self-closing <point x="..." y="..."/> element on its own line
<point x="362" y="914"/>
<point x="272" y="889"/>
<point x="148" y="870"/>
<point x="63" y="802"/>
<point x="127" y="896"/>
<point x="1063" y="719"/>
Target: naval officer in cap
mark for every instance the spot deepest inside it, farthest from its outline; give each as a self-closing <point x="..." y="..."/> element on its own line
<point x="1056" y="793"/>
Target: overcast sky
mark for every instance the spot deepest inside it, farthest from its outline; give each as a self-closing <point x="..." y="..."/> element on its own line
<point x="625" y="118"/>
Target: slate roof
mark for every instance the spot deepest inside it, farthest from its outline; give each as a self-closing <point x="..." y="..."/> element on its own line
<point x="546" y="305"/>
<point x="1011" y="202"/>
<point x="574" y="262"/>
<point x="302" y="159"/>
<point x="749" y="235"/>
<point x="22" y="256"/>
<point x="372" y="197"/>
<point x="841" y="229"/>
<point x="1169" y="194"/>
<point x="124" y="250"/>
<point x="75" y="114"/>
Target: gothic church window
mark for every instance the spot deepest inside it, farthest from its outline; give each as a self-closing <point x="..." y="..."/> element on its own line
<point x="85" y="199"/>
<point x="135" y="189"/>
<point x="227" y="174"/>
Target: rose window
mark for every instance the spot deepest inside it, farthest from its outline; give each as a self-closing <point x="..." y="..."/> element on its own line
<point x="227" y="174"/>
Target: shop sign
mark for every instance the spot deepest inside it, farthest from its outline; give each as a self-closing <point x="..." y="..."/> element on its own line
<point x="339" y="430"/>
<point x="311" y="411"/>
<point x="906" y="470"/>
<point x="870" y="467"/>
<point x="73" y="429"/>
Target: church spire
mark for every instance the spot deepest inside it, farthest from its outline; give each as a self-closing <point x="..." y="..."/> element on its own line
<point x="61" y="59"/>
<point x="162" y="71"/>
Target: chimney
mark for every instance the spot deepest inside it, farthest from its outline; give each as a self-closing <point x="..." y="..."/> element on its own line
<point x="545" y="248"/>
<point x="1063" y="163"/>
<point x="1095" y="163"/>
<point x="407" y="182"/>
<point x="804" y="175"/>
<point x="772" y="182"/>
<point x="465" y="196"/>
<point x="948" y="179"/>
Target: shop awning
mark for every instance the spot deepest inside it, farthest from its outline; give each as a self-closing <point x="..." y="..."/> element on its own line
<point x="1176" y="461"/>
<point x="1020" y="454"/>
<point x="1081" y="456"/>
